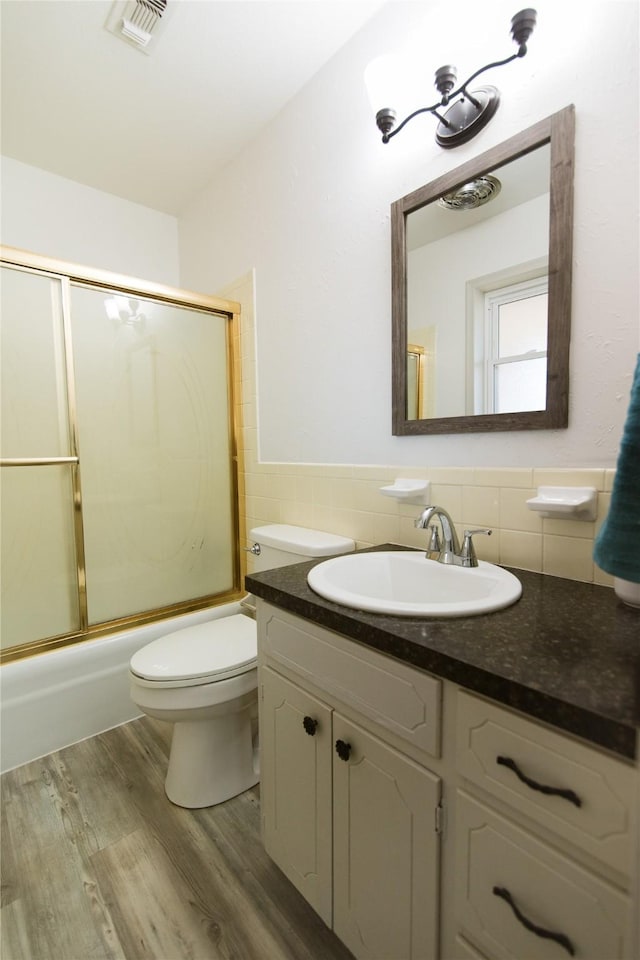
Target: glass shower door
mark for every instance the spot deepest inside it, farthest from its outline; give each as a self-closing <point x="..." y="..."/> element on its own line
<point x="154" y="425"/>
<point x="119" y="472"/>
<point x="38" y="557"/>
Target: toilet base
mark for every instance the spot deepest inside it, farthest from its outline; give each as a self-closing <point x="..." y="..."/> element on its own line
<point x="211" y="760"/>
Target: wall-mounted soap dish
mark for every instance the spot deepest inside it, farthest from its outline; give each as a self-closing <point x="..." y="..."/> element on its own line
<point x="407" y="490"/>
<point x="565" y="503"/>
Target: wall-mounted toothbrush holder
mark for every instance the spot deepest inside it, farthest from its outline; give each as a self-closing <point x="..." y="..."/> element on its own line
<point x="407" y="491"/>
<point x="565" y="503"/>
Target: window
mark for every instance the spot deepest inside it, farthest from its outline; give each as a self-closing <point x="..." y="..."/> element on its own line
<point x="515" y="347"/>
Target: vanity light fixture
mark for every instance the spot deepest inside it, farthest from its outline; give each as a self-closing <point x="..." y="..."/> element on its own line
<point x="474" y="109"/>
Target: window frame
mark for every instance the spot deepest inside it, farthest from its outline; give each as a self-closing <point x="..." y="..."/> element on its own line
<point x="493" y="300"/>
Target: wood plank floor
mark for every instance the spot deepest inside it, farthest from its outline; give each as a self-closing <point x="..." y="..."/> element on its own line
<point x="97" y="864"/>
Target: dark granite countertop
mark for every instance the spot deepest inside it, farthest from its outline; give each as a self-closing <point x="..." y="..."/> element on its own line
<point x="566" y="652"/>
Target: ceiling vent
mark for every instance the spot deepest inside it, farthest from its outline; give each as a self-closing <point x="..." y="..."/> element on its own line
<point x="473" y="194"/>
<point x="138" y="22"/>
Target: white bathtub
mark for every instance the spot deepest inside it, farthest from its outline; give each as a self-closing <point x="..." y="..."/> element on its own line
<point x="54" y="699"/>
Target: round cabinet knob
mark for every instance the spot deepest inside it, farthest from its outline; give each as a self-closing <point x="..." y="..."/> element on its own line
<point x="343" y="749"/>
<point x="310" y="725"/>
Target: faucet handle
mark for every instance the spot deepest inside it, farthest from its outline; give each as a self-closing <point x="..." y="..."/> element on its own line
<point x="434" y="540"/>
<point x="468" y="552"/>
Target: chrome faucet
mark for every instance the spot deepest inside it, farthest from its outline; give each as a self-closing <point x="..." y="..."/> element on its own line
<point x="449" y="551"/>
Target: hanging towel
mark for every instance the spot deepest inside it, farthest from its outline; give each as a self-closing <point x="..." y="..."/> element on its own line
<point x="617" y="545"/>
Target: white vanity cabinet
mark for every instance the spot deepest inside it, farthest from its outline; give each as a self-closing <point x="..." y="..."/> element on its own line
<point x="349" y="817"/>
<point x="425" y="822"/>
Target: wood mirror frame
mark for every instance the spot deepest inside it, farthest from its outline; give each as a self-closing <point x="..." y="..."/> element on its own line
<point x="557" y="131"/>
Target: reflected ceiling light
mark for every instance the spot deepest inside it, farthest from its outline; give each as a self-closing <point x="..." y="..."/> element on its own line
<point x="474" y="109"/>
<point x="471" y="195"/>
<point x="122" y="310"/>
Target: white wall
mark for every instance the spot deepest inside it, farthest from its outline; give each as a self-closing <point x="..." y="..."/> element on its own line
<point x="56" y="217"/>
<point x="307" y="206"/>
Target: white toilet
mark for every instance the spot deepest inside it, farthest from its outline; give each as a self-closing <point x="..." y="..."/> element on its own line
<point x="204" y="680"/>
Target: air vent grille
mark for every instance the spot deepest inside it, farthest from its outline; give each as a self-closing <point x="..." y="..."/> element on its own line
<point x="138" y="22"/>
<point x="473" y="194"/>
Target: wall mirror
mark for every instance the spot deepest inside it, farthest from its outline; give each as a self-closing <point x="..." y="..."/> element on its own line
<point x="481" y="290"/>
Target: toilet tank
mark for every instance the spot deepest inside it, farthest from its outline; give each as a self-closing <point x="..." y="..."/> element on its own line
<point x="282" y="543"/>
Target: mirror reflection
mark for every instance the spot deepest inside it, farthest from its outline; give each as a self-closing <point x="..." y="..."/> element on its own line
<point x="477" y="285"/>
<point x="481" y="289"/>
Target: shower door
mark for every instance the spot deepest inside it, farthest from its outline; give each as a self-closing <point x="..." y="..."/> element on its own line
<point x="40" y="595"/>
<point x="117" y="414"/>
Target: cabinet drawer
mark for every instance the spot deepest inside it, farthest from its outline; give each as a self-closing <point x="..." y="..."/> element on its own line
<point x="464" y="951"/>
<point x="590" y="802"/>
<point x="517" y="897"/>
<point x="399" y="698"/>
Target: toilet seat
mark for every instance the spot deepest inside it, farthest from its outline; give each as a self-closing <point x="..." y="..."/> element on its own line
<point x="206" y="653"/>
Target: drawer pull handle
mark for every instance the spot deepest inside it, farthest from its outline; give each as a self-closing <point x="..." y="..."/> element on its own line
<point x="310" y="726"/>
<point x="343" y="749"/>
<point x="560" y="938"/>
<point x="540" y="787"/>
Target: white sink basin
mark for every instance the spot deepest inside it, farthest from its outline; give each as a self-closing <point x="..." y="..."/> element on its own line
<point x="406" y="584"/>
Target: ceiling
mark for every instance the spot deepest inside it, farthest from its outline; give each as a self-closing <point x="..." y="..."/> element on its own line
<point x="154" y="128"/>
<point x="521" y="180"/>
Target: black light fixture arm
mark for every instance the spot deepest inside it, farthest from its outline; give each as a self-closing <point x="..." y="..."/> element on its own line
<point x="462" y="125"/>
<point x="383" y="114"/>
<point x="446" y="99"/>
<point x="498" y="63"/>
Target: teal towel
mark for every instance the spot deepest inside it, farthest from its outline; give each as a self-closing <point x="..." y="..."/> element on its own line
<point x="617" y="545"/>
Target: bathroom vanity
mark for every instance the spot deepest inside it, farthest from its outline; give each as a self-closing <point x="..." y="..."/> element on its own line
<point x="462" y="788"/>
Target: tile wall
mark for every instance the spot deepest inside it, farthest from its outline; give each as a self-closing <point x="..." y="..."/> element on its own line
<point x="346" y="499"/>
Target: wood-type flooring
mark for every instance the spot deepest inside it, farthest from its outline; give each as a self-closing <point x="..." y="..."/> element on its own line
<point x="97" y="864"/>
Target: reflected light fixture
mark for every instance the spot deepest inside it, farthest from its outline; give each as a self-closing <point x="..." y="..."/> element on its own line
<point x="125" y="311"/>
<point x="469" y="114"/>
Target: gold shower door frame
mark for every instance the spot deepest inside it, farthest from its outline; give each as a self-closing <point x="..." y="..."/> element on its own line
<point x="68" y="274"/>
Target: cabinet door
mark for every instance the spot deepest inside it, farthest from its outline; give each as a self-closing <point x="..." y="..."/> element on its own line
<point x="295" y="745"/>
<point x="385" y="849"/>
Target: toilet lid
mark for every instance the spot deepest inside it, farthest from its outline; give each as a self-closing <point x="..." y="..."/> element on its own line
<point x="214" y="650"/>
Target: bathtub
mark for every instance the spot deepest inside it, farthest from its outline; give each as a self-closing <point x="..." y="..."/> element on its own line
<point x="54" y="699"/>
